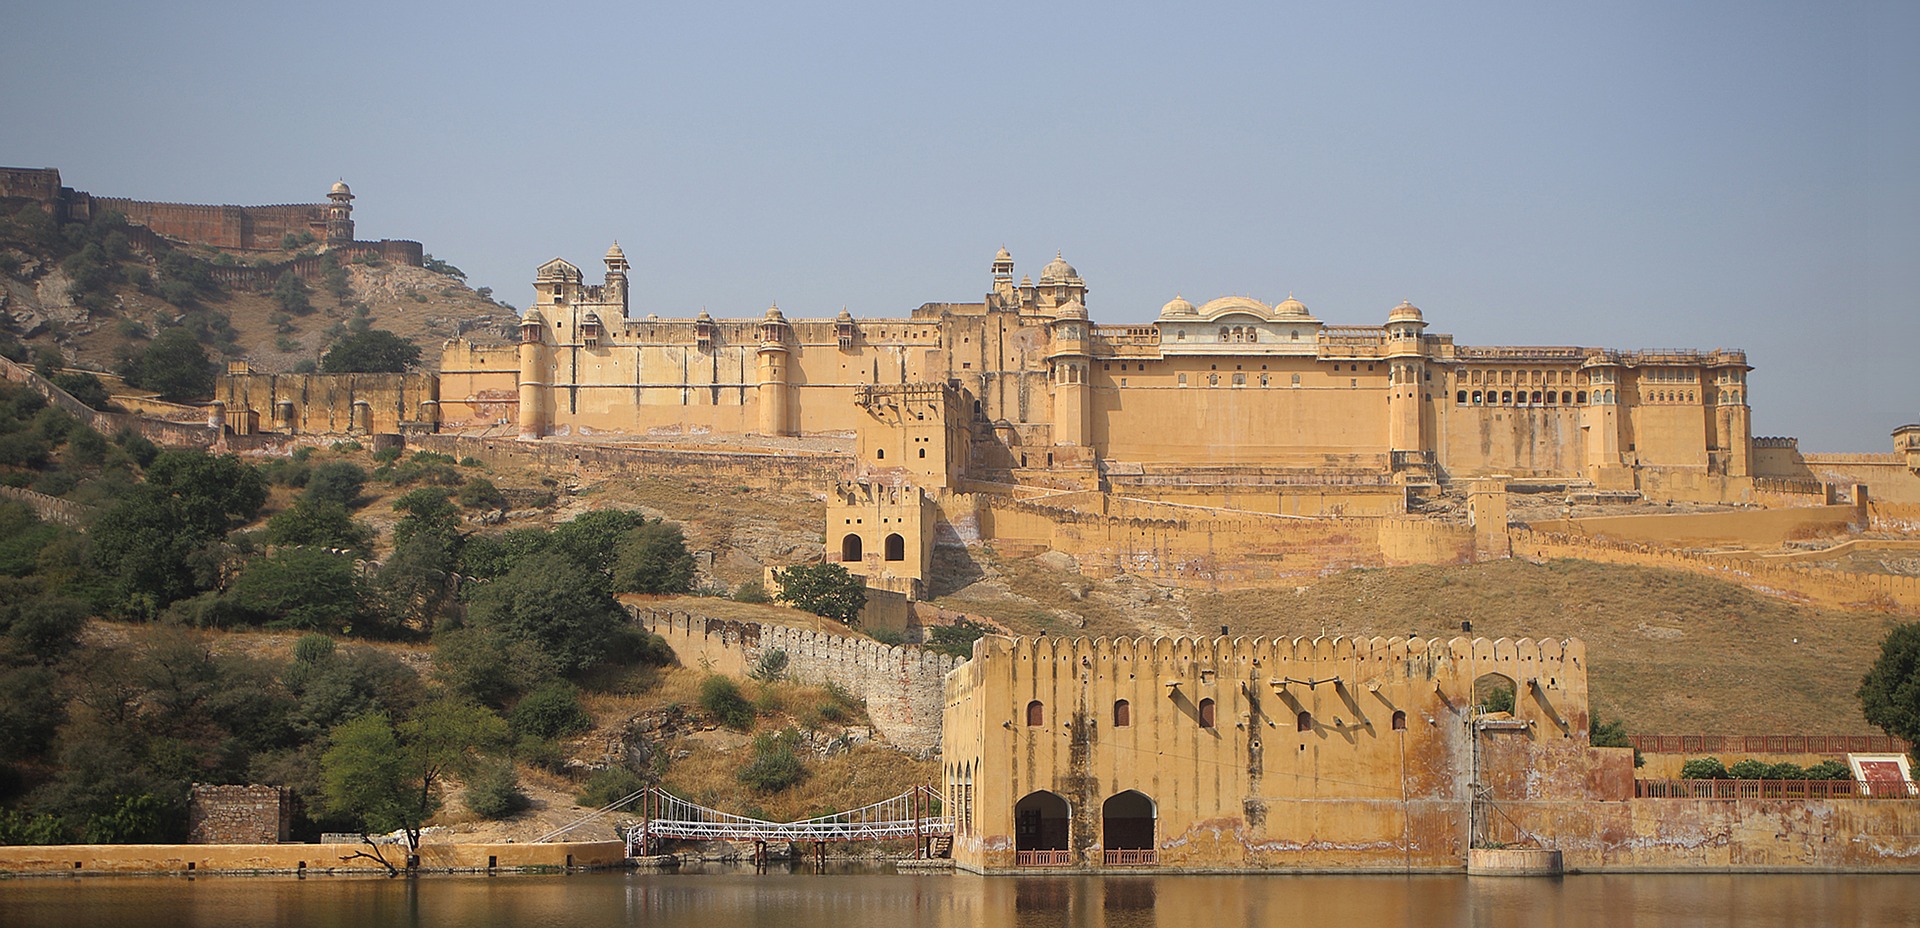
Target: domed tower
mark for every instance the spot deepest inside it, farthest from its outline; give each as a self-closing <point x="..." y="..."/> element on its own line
<point x="1069" y="359"/>
<point x="775" y="333"/>
<point x="1060" y="284"/>
<point x="1406" y="392"/>
<point x="339" y="214"/>
<point x="616" y="288"/>
<point x="533" y="375"/>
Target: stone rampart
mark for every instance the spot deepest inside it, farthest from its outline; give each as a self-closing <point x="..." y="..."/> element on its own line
<point x="1720" y="835"/>
<point x="901" y="685"/>
<point x="762" y="470"/>
<point x="1893" y="517"/>
<point x="1844" y="589"/>
<point x="159" y="431"/>
<point x="48" y="508"/>
<point x="1745" y="527"/>
<point x="239" y="814"/>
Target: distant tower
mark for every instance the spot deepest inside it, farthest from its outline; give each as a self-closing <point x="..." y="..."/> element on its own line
<point x="774" y="395"/>
<point x="616" y="289"/>
<point x="1003" y="278"/>
<point x="1069" y="359"/>
<point x="339" y="214"/>
<point x="1732" y="418"/>
<point x="533" y="374"/>
<point x="1406" y="392"/>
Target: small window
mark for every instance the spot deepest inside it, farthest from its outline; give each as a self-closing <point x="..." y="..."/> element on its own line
<point x="1296" y="380"/>
<point x="1182" y="380"/>
<point x="1477" y="398"/>
<point x="1122" y="714"/>
<point x="1506" y="397"/>
<point x="1460" y="398"/>
<point x="1301" y="722"/>
<point x="1206" y="713"/>
<point x="1580" y="396"/>
<point x="850" y="549"/>
<point x="1036" y="714"/>
<point x="896" y="548"/>
<point x="923" y="452"/>
<point x="1399" y="720"/>
<point x="880" y="454"/>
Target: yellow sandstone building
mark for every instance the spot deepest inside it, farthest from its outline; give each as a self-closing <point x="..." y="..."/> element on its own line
<point x="1023" y="386"/>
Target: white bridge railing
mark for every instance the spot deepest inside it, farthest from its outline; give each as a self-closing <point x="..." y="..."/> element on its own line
<point x="915" y="813"/>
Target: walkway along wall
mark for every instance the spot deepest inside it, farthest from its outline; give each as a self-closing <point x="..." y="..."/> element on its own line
<point x="900" y="685"/>
<point x="1844" y="589"/>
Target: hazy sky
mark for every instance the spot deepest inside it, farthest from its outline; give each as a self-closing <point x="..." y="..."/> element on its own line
<point x="1633" y="176"/>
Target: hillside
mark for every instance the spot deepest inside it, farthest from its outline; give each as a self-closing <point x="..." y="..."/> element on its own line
<point x="84" y="289"/>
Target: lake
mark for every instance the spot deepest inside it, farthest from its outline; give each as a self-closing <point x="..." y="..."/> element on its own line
<point x="730" y="898"/>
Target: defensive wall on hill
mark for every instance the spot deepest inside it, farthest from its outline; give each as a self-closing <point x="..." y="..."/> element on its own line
<point x="900" y="685"/>
<point x="747" y="468"/>
<point x="1844" y="589"/>
<point x="159" y="431"/>
<point x="1758" y="528"/>
<point x="47" y="508"/>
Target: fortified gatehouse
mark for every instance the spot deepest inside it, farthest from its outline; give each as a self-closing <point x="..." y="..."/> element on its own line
<point x="1341" y="754"/>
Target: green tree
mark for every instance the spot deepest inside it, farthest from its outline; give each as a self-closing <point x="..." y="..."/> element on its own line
<point x="337" y="481"/>
<point x="480" y="493"/>
<point x="1890" y="691"/>
<point x="653" y="559"/>
<point x="389" y="777"/>
<point x="559" y="607"/>
<point x="823" y="589"/>
<point x="302" y="588"/>
<point x="594" y="538"/>
<point x="150" y="542"/>
<point x="174" y="365"/>
<point x="552" y="710"/>
<point x="84" y="387"/>
<point x="291" y="293"/>
<point x="722" y="697"/>
<point x="375" y="351"/>
<point x="322" y="524"/>
<point x="426" y="512"/>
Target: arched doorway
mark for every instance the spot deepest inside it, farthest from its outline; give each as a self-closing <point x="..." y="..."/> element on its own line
<point x="850" y="549"/>
<point x="896" y="547"/>
<point x="1040" y="831"/>
<point x="1493" y="692"/>
<point x="1126" y="829"/>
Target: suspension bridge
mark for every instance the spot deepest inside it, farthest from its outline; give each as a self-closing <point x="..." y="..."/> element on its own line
<point x="914" y="814"/>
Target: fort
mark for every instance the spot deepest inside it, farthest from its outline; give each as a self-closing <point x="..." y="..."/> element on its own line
<point x="224" y="227"/>
<point x="1344" y="755"/>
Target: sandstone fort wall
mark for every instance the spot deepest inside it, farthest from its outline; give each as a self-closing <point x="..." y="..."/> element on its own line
<point x="1761" y="528"/>
<point x="901" y="686"/>
<point x="760" y="470"/>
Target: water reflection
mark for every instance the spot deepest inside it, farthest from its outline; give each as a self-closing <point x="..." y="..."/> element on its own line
<point x="743" y="899"/>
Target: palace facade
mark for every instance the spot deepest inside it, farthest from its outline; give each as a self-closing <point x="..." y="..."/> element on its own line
<point x="1024" y="385"/>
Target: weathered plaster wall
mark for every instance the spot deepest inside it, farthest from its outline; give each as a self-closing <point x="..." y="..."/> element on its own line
<point x="1757" y="528"/>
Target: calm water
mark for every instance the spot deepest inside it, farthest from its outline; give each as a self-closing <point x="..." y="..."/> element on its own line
<point x="886" y="900"/>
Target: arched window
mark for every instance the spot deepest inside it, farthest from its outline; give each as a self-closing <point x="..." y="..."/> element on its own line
<point x="1296" y="380"/>
<point x="1036" y="714"/>
<point x="1399" y="720"/>
<point x="1477" y="400"/>
<point x="896" y="547"/>
<point x="1225" y="334"/>
<point x="1536" y="397"/>
<point x="1506" y="397"/>
<point x="1213" y="380"/>
<point x="880" y="454"/>
<point x="850" y="548"/>
<point x="1580" y="396"/>
<point x="1461" y="398"/>
<point x="1566" y="397"/>
<point x="1206" y="713"/>
<point x="1122" y="714"/>
<point x="1182" y="380"/>
<point x="923" y="452"/>
<point x="1303" y="721"/>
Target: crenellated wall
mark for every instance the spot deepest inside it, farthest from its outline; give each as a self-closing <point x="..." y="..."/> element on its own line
<point x="900" y="685"/>
<point x="1260" y="754"/>
<point x="757" y="469"/>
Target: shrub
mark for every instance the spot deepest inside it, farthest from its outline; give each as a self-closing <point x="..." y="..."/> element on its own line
<point x="720" y="697"/>
<point x="752" y="591"/>
<point x="480" y="493"/>
<point x="772" y="666"/>
<point x="494" y="792"/>
<point x="1703" y="768"/>
<point x="1748" y="769"/>
<point x="84" y="387"/>
<point x="775" y="765"/>
<point x="552" y="711"/>
<point x="1829" y="770"/>
<point x="610" y="786"/>
<point x="336" y="482"/>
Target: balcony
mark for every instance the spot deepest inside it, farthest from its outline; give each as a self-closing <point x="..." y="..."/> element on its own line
<point x="1044" y="858"/>
<point x="1132" y="857"/>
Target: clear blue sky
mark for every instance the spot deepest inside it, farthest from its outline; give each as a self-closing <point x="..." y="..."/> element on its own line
<point x="1635" y="175"/>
